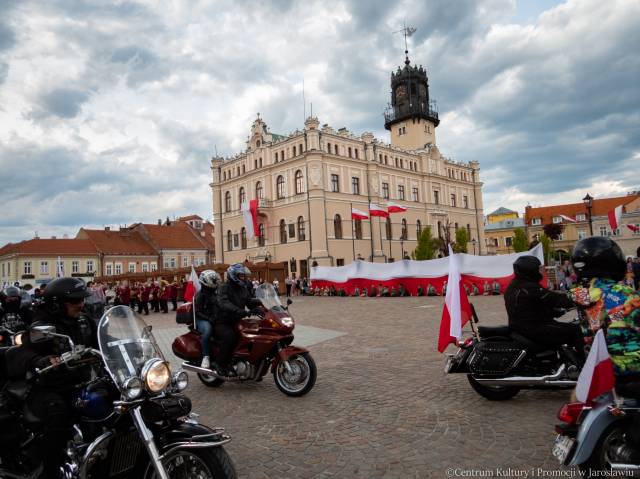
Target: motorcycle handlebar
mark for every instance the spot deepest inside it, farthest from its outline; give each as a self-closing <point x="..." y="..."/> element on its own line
<point x="70" y="356"/>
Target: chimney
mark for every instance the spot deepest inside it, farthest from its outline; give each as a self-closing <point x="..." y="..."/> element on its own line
<point x="107" y="228"/>
<point x="65" y="236"/>
<point x="159" y="222"/>
<point x="168" y="221"/>
<point x="53" y="237"/>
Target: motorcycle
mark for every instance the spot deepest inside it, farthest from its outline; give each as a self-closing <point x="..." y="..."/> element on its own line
<point x="265" y="341"/>
<point x="129" y="418"/>
<point x="594" y="437"/>
<point x="500" y="362"/>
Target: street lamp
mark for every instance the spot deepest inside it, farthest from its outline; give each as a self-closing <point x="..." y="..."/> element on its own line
<point x="588" y="202"/>
<point x="474" y="242"/>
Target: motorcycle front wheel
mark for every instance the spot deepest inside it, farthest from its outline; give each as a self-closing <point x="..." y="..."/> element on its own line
<point x="493" y="393"/>
<point x="302" y="377"/>
<point x="213" y="463"/>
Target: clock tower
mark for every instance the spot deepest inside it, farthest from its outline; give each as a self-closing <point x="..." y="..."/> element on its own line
<point x="411" y="117"/>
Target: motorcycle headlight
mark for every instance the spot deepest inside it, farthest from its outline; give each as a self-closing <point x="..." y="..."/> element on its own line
<point x="17" y="339"/>
<point x="156" y="375"/>
<point x="287" y="321"/>
<point x="180" y="381"/>
<point x="132" y="388"/>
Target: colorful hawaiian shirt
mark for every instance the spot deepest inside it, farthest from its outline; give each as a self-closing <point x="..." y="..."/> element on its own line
<point x="615" y="307"/>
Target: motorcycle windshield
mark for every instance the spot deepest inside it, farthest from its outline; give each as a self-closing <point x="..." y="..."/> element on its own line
<point x="126" y="343"/>
<point x="268" y="297"/>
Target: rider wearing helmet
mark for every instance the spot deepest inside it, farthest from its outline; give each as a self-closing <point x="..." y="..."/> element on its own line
<point x="206" y="308"/>
<point x="234" y="296"/>
<point x="532" y="308"/>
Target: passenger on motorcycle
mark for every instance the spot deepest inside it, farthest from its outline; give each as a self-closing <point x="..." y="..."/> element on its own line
<point x="234" y="296"/>
<point x="12" y="301"/>
<point x="532" y="308"/>
<point x="206" y="309"/>
<point x="49" y="398"/>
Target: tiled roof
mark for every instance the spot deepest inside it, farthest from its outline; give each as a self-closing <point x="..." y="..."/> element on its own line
<point x="502" y="211"/>
<point x="125" y="242"/>
<point x="8" y="248"/>
<point x="189" y="218"/>
<point x="177" y="235"/>
<point x="600" y="208"/>
<point x="50" y="246"/>
<point x="505" y="224"/>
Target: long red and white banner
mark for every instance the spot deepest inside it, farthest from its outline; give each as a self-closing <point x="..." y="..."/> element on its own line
<point x="480" y="271"/>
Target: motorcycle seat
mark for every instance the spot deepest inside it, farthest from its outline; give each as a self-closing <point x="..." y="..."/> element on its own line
<point x="493" y="331"/>
<point x="527" y="343"/>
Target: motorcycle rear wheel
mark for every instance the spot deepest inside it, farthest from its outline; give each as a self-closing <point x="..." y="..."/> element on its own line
<point x="210" y="381"/>
<point x="493" y="393"/>
<point x="302" y="378"/>
<point x="599" y="463"/>
<point x="213" y="463"/>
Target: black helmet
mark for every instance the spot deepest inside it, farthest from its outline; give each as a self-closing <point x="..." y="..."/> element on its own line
<point x="527" y="267"/>
<point x="10" y="299"/>
<point x="598" y="257"/>
<point x="62" y="290"/>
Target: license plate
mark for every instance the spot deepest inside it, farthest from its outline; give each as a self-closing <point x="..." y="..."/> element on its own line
<point x="561" y="448"/>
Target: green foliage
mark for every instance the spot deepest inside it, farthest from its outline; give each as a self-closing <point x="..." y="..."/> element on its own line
<point x="520" y="242"/>
<point x="546" y="246"/>
<point x="462" y="239"/>
<point x="553" y="230"/>
<point x="427" y="245"/>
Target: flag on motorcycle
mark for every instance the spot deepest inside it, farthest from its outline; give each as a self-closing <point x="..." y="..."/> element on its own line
<point x="615" y="217"/>
<point x="193" y="285"/>
<point x="457" y="310"/>
<point x="250" y="215"/>
<point x="597" y="376"/>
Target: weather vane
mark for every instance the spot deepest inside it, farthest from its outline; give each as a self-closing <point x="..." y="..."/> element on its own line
<point x="407" y="32"/>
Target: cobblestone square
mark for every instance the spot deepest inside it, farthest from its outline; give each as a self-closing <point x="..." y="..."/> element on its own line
<point x="382" y="406"/>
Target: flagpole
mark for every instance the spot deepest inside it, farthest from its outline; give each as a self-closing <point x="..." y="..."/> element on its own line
<point x="370" y="230"/>
<point x="353" y="233"/>
<point x="390" y="236"/>
<point x="381" y="244"/>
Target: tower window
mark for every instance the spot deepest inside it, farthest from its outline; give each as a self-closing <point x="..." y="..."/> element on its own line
<point x="335" y="186"/>
<point x="401" y="192"/>
<point x="385" y="191"/>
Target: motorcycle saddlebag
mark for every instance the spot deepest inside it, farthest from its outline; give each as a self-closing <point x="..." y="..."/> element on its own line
<point x="187" y="346"/>
<point x="184" y="314"/>
<point x="495" y="358"/>
<point x="166" y="408"/>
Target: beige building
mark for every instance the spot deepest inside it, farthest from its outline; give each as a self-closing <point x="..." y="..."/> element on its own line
<point x="307" y="183"/>
<point x="500" y="230"/>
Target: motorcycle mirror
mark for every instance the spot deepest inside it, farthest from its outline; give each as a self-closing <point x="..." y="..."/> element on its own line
<point x="41" y="333"/>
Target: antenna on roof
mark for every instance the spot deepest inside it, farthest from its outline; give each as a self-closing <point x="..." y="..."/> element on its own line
<point x="215" y="147"/>
<point x="311" y="109"/>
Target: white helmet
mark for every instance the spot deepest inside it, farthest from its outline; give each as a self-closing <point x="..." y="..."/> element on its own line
<point x="209" y="278"/>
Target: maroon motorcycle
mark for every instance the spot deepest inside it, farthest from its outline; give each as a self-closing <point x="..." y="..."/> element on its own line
<point x="265" y="343"/>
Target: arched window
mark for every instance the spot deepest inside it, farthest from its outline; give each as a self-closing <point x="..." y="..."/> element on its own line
<point x="261" y="235"/>
<point x="418" y="229"/>
<point x="260" y="162"/>
<point x="243" y="238"/>
<point x="242" y="197"/>
<point x="259" y="192"/>
<point x="405" y="232"/>
<point x="349" y="150"/>
<point x="300" y="149"/>
<point x="328" y="147"/>
<point x="276" y="157"/>
<point x="229" y="240"/>
<point x="337" y="227"/>
<point x="280" y="187"/>
<point x="355" y="153"/>
<point x="282" y="155"/>
<point x="227" y="202"/>
<point x="283" y="231"/>
<point x="389" y="229"/>
<point x="301" y="229"/>
<point x="336" y="149"/>
<point x="358" y="228"/>
<point x="299" y="183"/>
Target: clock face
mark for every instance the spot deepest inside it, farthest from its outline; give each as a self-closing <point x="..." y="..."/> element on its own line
<point x="401" y="92"/>
<point x="422" y="90"/>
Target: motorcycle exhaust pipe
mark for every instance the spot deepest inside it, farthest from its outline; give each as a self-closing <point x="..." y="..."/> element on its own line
<point x="208" y="372"/>
<point x="549" y="380"/>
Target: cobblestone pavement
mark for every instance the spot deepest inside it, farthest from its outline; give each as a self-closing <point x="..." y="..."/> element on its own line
<point x="382" y="406"/>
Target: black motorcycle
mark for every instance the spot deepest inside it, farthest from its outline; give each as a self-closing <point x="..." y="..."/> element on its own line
<point x="500" y="362"/>
<point x="129" y="419"/>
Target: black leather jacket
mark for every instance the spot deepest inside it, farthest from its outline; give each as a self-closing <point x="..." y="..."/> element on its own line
<point x="233" y="298"/>
<point x="206" y="304"/>
<point x="529" y="305"/>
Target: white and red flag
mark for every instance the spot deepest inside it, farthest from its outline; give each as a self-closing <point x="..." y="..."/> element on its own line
<point x="395" y="208"/>
<point x="633" y="228"/>
<point x="250" y="215"/>
<point x="193" y="285"/>
<point x="376" y="210"/>
<point x="597" y="376"/>
<point x="457" y="310"/>
<point x="615" y="217"/>
<point x="568" y="218"/>
<point x="356" y="214"/>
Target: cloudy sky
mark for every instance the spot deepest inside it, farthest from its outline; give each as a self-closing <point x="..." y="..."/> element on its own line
<point x="110" y="111"/>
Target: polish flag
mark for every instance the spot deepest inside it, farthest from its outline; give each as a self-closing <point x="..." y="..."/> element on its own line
<point x="375" y="210"/>
<point x="193" y="285"/>
<point x="394" y="208"/>
<point x="457" y="310"/>
<point x="358" y="215"/>
<point x="633" y="228"/>
<point x="615" y="217"/>
<point x="568" y="218"/>
<point x="250" y="215"/>
<point x="597" y="375"/>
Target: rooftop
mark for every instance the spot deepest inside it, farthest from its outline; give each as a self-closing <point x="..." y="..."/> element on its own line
<point x="505" y="224"/>
<point x="502" y="211"/>
<point x="601" y="207"/>
<point x="51" y="247"/>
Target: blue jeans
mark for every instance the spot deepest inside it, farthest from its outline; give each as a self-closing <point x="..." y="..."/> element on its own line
<point x="205" y="329"/>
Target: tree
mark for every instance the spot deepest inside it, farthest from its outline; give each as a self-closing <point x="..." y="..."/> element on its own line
<point x="553" y="230"/>
<point x="520" y="242"/>
<point x="427" y="245"/>
<point x="461" y="241"/>
<point x="546" y="246"/>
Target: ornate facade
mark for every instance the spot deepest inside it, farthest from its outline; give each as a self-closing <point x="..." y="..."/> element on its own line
<point x="308" y="182"/>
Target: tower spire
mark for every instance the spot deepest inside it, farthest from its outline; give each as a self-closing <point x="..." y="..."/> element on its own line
<point x="407" y="32"/>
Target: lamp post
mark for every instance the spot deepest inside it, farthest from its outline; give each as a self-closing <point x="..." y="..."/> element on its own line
<point x="588" y="202"/>
<point x="474" y="242"/>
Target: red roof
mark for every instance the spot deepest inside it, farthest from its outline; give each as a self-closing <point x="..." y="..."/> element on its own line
<point x="177" y="235"/>
<point x="50" y="246"/>
<point x="600" y="208"/>
<point x="123" y="242"/>
<point x="190" y="218"/>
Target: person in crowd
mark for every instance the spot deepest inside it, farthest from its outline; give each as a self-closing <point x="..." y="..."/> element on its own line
<point x="402" y="291"/>
<point x="495" y="287"/>
<point x="173" y="295"/>
<point x="124" y="294"/>
<point x="206" y="311"/>
<point x="356" y="292"/>
<point x="135" y="295"/>
<point x="384" y="291"/>
<point x="420" y="291"/>
<point x="155" y="296"/>
<point x="144" y="293"/>
<point x="444" y="288"/>
<point x="364" y="293"/>
<point x="466" y="289"/>
<point x="486" y="289"/>
<point x="165" y="296"/>
<point x="532" y="309"/>
<point x="635" y="267"/>
<point x="474" y="290"/>
<point x="276" y="285"/>
<point x="96" y="301"/>
<point x="431" y="290"/>
<point x="287" y="284"/>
